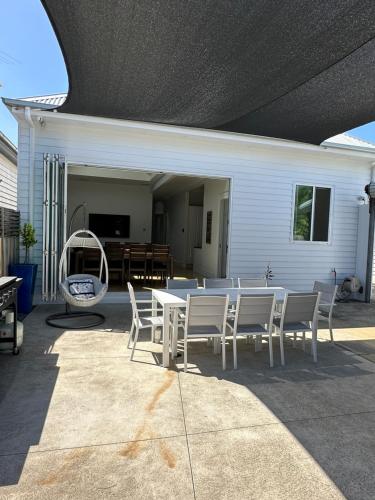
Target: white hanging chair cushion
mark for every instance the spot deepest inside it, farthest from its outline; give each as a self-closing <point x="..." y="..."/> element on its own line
<point x="82" y="289"/>
<point x="100" y="289"/>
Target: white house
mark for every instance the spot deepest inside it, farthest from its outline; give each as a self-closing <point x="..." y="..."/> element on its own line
<point x="8" y="173"/>
<point x="229" y="204"/>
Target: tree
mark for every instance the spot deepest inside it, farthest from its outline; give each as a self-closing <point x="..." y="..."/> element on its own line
<point x="28" y="240"/>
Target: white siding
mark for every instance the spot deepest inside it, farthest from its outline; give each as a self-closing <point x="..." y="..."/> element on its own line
<point x="262" y="182"/>
<point x="8" y="183"/>
<point x="23" y="189"/>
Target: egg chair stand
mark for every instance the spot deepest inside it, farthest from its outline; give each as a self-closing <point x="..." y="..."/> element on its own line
<point x="83" y="238"/>
<point x="62" y="320"/>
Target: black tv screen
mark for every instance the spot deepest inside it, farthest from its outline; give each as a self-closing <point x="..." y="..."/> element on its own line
<point x="110" y="226"/>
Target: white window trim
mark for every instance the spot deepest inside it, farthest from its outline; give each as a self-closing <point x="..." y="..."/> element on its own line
<point x="331" y="203"/>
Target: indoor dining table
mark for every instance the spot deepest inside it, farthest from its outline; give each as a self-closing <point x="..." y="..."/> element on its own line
<point x="169" y="299"/>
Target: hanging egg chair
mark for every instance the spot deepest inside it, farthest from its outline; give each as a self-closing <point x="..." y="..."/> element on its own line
<point x="80" y="290"/>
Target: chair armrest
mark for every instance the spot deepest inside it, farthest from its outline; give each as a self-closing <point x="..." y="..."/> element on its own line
<point x="148" y="301"/>
<point x="149" y="310"/>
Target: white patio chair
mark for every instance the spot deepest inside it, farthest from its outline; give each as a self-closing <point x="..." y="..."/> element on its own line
<point x="327" y="303"/>
<point x="218" y="283"/>
<point x="178" y="319"/>
<point x="173" y="284"/>
<point x="140" y="322"/>
<point x="252" y="282"/>
<point x="206" y="317"/>
<point x="254" y="317"/>
<point x="299" y="315"/>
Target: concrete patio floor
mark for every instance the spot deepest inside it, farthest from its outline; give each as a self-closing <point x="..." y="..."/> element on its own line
<point x="79" y="420"/>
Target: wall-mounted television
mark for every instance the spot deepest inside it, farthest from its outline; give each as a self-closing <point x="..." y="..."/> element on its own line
<point x="110" y="226"/>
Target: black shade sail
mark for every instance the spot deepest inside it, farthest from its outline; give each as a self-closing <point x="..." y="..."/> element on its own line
<point x="293" y="69"/>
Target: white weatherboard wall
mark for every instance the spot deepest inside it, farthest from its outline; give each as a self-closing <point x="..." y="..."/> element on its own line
<point x="115" y="198"/>
<point x="262" y="172"/>
<point x="8" y="183"/>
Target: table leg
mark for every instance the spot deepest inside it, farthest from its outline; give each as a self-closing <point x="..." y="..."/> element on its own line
<point x="175" y="333"/>
<point x="153" y="313"/>
<point x="171" y="269"/>
<point x="15" y="312"/>
<point x="166" y="336"/>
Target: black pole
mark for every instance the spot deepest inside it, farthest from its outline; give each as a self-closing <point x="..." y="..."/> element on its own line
<point x="370" y="250"/>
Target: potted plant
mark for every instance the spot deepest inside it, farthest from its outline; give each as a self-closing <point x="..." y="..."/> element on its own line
<point x="26" y="271"/>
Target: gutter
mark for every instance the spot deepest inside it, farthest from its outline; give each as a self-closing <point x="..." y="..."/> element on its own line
<point x="187" y="132"/>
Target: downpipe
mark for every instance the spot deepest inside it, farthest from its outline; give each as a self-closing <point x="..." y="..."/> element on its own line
<point x="370" y="191"/>
<point x="29" y="121"/>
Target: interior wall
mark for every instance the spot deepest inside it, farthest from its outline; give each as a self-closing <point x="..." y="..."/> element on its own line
<point x="177" y="216"/>
<point x="206" y="259"/>
<point x="118" y="198"/>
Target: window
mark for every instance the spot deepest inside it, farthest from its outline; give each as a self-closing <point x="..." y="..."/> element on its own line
<point x="311" y="213"/>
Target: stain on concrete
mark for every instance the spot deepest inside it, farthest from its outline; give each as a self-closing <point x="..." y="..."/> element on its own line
<point x="145" y="431"/>
<point x="167" y="454"/>
<point x="63" y="473"/>
<point x="169" y="378"/>
<point x="133" y="449"/>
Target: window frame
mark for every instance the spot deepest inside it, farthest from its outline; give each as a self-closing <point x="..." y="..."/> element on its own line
<point x="330" y="215"/>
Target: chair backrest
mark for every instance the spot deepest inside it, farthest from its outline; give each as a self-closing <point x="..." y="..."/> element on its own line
<point x="157" y="247"/>
<point x="182" y="284"/>
<point x="207" y="310"/>
<point x="255" y="309"/>
<point x="111" y="244"/>
<point x="218" y="282"/>
<point x="91" y="254"/>
<point x="327" y="293"/>
<point x="133" y="301"/>
<point x="138" y="252"/>
<point x="252" y="282"/>
<point x="115" y="252"/>
<point x="160" y="254"/>
<point x="300" y="307"/>
<point x="141" y="247"/>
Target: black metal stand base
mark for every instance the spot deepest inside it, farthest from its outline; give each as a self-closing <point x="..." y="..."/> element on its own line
<point x="63" y="320"/>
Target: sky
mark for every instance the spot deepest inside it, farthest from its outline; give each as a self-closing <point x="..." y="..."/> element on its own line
<point x="31" y="62"/>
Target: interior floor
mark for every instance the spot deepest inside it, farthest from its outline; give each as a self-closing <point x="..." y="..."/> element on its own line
<point x="180" y="273"/>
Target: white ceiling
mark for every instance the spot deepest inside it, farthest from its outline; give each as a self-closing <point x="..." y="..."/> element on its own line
<point x="162" y="185"/>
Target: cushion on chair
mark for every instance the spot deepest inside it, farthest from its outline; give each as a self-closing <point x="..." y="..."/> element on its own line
<point x="82" y="288"/>
<point x="203" y="331"/>
<point x="251" y="329"/>
<point x="292" y="327"/>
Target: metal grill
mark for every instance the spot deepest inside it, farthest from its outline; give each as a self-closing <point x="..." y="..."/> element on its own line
<point x="9" y="233"/>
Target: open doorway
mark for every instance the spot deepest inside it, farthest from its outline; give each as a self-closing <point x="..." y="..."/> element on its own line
<point x="130" y="209"/>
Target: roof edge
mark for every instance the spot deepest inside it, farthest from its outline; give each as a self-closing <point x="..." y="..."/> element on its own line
<point x="8" y="149"/>
<point x="260" y="141"/>
<point x="18" y="103"/>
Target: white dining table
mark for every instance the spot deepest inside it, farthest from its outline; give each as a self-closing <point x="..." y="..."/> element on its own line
<point x="170" y="299"/>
